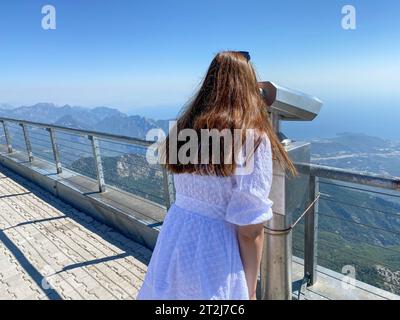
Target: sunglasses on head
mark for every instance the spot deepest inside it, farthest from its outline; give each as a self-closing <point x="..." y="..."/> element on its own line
<point x="245" y="54"/>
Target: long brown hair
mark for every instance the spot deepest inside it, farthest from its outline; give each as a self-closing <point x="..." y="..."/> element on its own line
<point x="229" y="98"/>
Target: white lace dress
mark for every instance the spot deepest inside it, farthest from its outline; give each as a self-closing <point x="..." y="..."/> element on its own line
<point x="197" y="252"/>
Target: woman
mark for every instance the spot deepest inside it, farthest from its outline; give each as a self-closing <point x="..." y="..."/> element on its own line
<point x="211" y="241"/>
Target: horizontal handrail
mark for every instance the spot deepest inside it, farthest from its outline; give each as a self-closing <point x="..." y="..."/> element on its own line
<point x="98" y="134"/>
<point x="367" y="179"/>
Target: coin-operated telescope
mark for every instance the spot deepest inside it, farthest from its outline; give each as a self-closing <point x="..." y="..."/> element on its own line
<point x="289" y="195"/>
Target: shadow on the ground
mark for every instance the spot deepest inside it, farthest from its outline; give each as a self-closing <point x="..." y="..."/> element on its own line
<point x="35" y="275"/>
<point x="68" y="211"/>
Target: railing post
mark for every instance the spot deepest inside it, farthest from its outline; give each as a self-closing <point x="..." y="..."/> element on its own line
<point x="167" y="194"/>
<point x="27" y="141"/>
<point x="55" y="149"/>
<point x="97" y="163"/>
<point x="7" y="137"/>
<point x="276" y="263"/>
<point x="311" y="234"/>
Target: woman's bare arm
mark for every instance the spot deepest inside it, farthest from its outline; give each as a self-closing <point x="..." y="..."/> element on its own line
<point x="251" y="241"/>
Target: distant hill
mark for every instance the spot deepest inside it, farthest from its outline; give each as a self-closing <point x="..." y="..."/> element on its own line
<point x="134" y="126"/>
<point x="358" y="152"/>
<point x="71" y="122"/>
<point x="6" y="106"/>
<point x="50" y="113"/>
<point x="99" y="119"/>
<point x="350" y="142"/>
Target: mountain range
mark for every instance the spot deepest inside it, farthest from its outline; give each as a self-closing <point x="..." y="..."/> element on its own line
<point x="102" y="119"/>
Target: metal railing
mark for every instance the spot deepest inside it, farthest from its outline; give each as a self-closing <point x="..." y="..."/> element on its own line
<point x="366" y="206"/>
<point x="111" y="159"/>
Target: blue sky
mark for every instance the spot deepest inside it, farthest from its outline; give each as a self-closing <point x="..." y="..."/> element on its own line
<point x="148" y="56"/>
